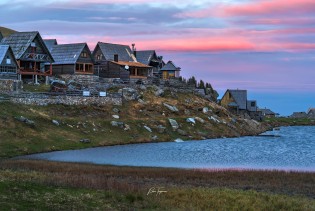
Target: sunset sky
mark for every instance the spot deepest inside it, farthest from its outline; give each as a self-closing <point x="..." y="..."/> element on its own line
<point x="264" y="46"/>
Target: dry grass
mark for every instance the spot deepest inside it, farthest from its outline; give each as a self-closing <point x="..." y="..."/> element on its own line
<point x="139" y="179"/>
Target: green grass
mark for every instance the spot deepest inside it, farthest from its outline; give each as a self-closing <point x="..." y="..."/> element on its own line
<point x="284" y="121"/>
<point x="36" y="88"/>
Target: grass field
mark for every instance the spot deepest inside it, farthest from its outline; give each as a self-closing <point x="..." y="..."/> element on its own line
<point x="43" y="185"/>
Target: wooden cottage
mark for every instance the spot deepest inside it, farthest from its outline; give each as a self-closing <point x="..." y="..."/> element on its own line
<point x="118" y="61"/>
<point x="72" y="59"/>
<point x="8" y="63"/>
<point x="236" y="102"/>
<point x="30" y="52"/>
<point x="268" y="113"/>
<point x="150" y="58"/>
<point x="170" y="70"/>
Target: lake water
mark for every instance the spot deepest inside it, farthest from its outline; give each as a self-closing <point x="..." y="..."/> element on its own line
<point x="293" y="150"/>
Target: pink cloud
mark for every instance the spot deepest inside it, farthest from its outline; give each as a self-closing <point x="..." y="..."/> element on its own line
<point x="271" y="7"/>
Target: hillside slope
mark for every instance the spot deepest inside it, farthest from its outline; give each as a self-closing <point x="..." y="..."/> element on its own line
<point x="6" y="31"/>
<point x="140" y="121"/>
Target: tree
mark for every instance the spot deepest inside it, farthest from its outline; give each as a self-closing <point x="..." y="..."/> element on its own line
<point x="201" y="84"/>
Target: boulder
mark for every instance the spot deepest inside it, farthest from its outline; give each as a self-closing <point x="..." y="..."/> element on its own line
<point x="126" y="127"/>
<point x="178" y="140"/>
<point x="212" y="118"/>
<point x="55" y="122"/>
<point x="159" y="93"/>
<point x="205" y="110"/>
<point x="116" y="110"/>
<point x="141" y="101"/>
<point x="154" y="138"/>
<point x="25" y="120"/>
<point x="191" y="120"/>
<point x="85" y="141"/>
<point x="171" y="107"/>
<point x="117" y="124"/>
<point x="174" y="124"/>
<point x="147" y="128"/>
<point x="143" y="87"/>
<point x="200" y="120"/>
<point x="182" y="132"/>
<point x="115" y="116"/>
<point x="161" y="129"/>
<point x="130" y="94"/>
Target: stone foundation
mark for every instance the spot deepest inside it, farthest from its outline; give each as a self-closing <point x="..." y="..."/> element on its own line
<point x="9" y="85"/>
<point x="68" y="100"/>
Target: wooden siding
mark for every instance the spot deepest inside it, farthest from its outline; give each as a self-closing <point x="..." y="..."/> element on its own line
<point x="62" y="69"/>
<point x="226" y="99"/>
<point x="110" y="70"/>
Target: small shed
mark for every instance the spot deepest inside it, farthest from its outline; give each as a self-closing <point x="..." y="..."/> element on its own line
<point x="72" y="59"/>
<point x="170" y="70"/>
<point x="266" y="112"/>
<point x="8" y="63"/>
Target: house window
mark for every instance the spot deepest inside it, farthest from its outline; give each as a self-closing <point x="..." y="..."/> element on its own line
<point x="8" y="61"/>
<point x="79" y="67"/>
<point x="84" y="54"/>
<point x="252" y="104"/>
<point x="99" y="57"/>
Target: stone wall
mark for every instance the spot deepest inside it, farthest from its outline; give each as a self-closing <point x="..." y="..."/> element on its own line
<point x="68" y="100"/>
<point x="10" y="85"/>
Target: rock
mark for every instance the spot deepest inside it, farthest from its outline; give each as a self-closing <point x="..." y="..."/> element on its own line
<point x="143" y="87"/>
<point x="200" y="120"/>
<point x="147" y="128"/>
<point x="117" y="124"/>
<point x="159" y="93"/>
<point x="182" y="132"/>
<point x="85" y="140"/>
<point x="205" y="110"/>
<point x="154" y="138"/>
<point x="161" y="129"/>
<point x="116" y="110"/>
<point x="25" y="120"/>
<point x="174" y="124"/>
<point x="141" y="101"/>
<point x="171" y="107"/>
<point x="178" y="140"/>
<point x="191" y="120"/>
<point x="55" y="122"/>
<point x="130" y="94"/>
<point x="126" y="127"/>
<point x="214" y="119"/>
<point x="115" y="116"/>
<point x="202" y="133"/>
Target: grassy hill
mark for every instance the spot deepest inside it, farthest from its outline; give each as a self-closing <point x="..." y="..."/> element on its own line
<point x="6" y="31"/>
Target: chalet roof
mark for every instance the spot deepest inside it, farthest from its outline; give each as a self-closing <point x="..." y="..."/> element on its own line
<point x="20" y="41"/>
<point x="3" y="51"/>
<point x="240" y="97"/>
<point x="146" y="57"/>
<point x="170" y="66"/>
<point x="131" y="64"/>
<point x="67" y="53"/>
<point x="50" y="43"/>
<point x="123" y="51"/>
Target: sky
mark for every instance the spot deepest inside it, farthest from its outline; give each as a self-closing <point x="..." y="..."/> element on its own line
<point x="264" y="46"/>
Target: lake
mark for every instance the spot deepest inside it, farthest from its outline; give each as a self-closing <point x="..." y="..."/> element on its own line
<point x="293" y="150"/>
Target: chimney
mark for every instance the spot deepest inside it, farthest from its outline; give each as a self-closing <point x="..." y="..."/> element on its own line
<point x="133" y="47"/>
<point x="116" y="57"/>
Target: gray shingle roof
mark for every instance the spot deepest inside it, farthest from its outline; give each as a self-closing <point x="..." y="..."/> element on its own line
<point x="145" y="56"/>
<point x="109" y="50"/>
<point x="67" y="53"/>
<point x="170" y="66"/>
<point x="20" y="41"/>
<point x="3" y="51"/>
<point x="240" y="97"/>
<point x="50" y="43"/>
<point x="267" y="111"/>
